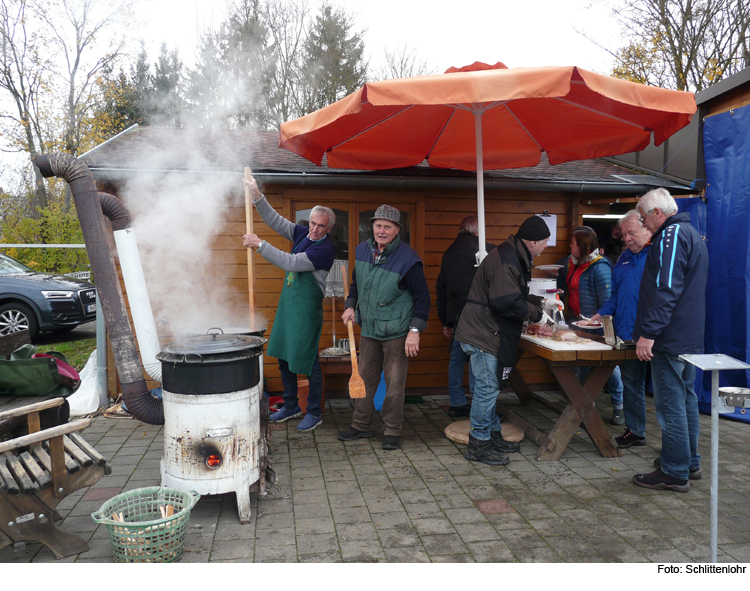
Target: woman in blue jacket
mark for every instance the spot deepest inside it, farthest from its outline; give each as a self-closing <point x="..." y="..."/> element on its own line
<point x="588" y="279"/>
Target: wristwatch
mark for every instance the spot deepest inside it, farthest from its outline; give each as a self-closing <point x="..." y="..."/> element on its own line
<point x="414" y="329"/>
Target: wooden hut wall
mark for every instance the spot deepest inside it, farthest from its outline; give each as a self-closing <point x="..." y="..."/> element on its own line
<point x="436" y="217"/>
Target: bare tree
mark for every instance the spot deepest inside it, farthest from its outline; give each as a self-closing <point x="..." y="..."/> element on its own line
<point x="286" y="22"/>
<point x="78" y="29"/>
<point x="24" y="77"/>
<point x="51" y="57"/>
<point x="403" y="61"/>
<point x="683" y="44"/>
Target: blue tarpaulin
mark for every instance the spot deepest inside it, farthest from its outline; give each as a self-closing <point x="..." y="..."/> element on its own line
<point x="726" y="149"/>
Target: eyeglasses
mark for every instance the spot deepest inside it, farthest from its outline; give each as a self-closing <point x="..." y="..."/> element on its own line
<point x="645" y="215"/>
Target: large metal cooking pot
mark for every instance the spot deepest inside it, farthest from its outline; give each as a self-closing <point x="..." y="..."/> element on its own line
<point x="213" y="363"/>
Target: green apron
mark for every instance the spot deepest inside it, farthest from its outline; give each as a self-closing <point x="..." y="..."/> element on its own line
<point x="298" y="323"/>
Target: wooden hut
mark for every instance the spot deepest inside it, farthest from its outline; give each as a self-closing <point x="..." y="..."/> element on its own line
<point x="147" y="165"/>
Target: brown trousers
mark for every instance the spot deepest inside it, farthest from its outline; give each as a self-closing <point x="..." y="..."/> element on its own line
<point x="389" y="357"/>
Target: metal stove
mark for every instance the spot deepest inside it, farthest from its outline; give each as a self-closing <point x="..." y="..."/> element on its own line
<point x="213" y="441"/>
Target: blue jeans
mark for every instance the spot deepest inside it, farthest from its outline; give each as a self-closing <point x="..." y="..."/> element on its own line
<point x="633" y="374"/>
<point x="456" y="375"/>
<point x="314" y="393"/>
<point x="614" y="385"/>
<point x="677" y="412"/>
<point x="483" y="419"/>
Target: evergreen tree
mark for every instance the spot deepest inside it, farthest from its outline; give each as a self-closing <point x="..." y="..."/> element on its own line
<point x="334" y="59"/>
<point x="165" y="100"/>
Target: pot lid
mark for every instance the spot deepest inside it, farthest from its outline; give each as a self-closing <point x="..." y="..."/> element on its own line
<point x="209" y="344"/>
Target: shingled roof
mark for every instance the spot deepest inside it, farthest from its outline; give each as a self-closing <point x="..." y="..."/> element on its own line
<point x="228" y="151"/>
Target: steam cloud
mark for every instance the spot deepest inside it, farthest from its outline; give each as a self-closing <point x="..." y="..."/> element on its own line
<point x="179" y="220"/>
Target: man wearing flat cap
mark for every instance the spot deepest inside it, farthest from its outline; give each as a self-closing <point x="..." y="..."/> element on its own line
<point x="489" y="329"/>
<point x="390" y="301"/>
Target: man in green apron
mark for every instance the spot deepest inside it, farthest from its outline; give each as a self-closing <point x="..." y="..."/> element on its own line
<point x="299" y="318"/>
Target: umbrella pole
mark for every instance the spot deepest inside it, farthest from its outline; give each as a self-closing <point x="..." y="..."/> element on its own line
<point x="250" y="251"/>
<point x="480" y="184"/>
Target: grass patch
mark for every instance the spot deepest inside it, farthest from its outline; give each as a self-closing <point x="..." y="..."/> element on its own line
<point x="76" y="352"/>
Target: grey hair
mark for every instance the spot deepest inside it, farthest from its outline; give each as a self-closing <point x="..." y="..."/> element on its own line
<point x="470" y="224"/>
<point x="657" y="198"/>
<point x="322" y="209"/>
<point x="633" y="214"/>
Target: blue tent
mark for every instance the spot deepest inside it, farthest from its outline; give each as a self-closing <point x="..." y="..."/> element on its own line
<point x="726" y="149"/>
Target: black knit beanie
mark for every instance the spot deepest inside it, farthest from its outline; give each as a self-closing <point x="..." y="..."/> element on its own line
<point x="533" y="228"/>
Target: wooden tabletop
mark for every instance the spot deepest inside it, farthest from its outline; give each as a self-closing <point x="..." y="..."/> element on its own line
<point x="578" y="354"/>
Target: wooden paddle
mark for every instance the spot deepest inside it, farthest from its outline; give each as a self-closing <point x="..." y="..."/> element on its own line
<point x="356" y="384"/>
<point x="250" y="251"/>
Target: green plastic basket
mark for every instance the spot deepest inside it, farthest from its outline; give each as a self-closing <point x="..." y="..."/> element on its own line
<point x="138" y="529"/>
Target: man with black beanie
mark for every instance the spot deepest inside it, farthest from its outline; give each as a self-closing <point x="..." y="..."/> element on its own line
<point x="489" y="330"/>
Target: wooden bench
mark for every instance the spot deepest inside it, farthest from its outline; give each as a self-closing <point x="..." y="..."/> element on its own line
<point x="37" y="471"/>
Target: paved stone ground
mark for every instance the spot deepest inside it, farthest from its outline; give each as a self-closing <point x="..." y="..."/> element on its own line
<point x="355" y="502"/>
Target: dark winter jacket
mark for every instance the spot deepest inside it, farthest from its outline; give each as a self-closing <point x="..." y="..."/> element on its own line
<point x="457" y="270"/>
<point x="672" y="297"/>
<point x="499" y="302"/>
<point x="626" y="283"/>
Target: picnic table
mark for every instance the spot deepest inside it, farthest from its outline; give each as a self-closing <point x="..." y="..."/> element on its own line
<point x="562" y="361"/>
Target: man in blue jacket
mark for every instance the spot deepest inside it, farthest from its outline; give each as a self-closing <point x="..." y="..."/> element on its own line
<point x="622" y="305"/>
<point x="670" y="322"/>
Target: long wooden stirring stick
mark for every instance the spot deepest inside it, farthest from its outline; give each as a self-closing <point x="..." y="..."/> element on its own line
<point x="250" y="251"/>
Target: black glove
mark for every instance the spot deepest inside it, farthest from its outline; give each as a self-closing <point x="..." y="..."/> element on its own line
<point x="536" y="300"/>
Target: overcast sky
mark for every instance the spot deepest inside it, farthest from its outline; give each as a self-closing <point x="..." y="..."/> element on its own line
<point x="444" y="34"/>
<point x="519" y="34"/>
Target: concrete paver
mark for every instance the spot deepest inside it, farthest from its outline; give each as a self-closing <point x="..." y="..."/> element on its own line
<point x="355" y="502"/>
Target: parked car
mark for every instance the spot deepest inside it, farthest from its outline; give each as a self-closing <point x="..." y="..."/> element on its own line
<point x="42" y="301"/>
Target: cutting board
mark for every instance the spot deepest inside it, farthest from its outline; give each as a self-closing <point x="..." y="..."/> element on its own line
<point x="563" y="346"/>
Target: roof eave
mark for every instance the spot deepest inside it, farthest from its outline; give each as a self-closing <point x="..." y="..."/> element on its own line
<point x="373" y="180"/>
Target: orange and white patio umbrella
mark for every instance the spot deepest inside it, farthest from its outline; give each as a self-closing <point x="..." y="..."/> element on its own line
<point x="488" y="117"/>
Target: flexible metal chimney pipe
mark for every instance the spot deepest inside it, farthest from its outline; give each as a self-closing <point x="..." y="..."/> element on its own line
<point x="135" y="283"/>
<point x="141" y="404"/>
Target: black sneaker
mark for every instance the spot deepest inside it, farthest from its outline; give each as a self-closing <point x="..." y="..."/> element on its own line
<point x="459" y="411"/>
<point x="658" y="480"/>
<point x="485" y="452"/>
<point x="390" y="441"/>
<point x="629" y="439"/>
<point x="692" y="474"/>
<point x="503" y="445"/>
<point x="351" y="434"/>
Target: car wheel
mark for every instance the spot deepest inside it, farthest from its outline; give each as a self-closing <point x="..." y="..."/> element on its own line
<point x="16" y="317"/>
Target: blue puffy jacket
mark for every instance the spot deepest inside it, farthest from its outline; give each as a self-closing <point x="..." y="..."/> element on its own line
<point x="595" y="285"/>
<point x="626" y="282"/>
<point x="672" y="298"/>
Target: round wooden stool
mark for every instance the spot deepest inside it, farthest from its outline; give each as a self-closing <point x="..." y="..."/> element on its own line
<point x="458" y="432"/>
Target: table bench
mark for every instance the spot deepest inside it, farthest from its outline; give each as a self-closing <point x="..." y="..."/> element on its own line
<point x="580" y="398"/>
<point x="37" y="471"/>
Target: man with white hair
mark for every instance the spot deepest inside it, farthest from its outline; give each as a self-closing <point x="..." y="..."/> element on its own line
<point x="670" y="322"/>
<point x="622" y="305"/>
<point x="299" y="318"/>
